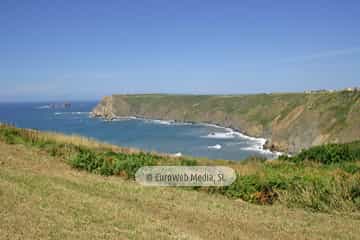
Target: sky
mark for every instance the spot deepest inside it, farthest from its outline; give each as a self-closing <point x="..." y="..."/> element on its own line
<point x="83" y="50"/>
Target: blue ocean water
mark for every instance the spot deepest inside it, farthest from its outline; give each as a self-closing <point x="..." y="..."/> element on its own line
<point x="188" y="139"/>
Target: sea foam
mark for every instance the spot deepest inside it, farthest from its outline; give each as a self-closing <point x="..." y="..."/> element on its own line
<point x="43" y="107"/>
<point x="179" y="154"/>
<point x="217" y="147"/>
<point x="257" y="144"/>
<point x="70" y="113"/>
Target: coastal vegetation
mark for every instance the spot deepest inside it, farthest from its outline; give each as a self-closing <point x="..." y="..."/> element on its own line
<point x="328" y="154"/>
<point x="324" y="178"/>
<point x="43" y="197"/>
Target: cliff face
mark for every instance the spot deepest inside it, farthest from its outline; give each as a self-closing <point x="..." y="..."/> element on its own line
<point x="290" y="122"/>
<point x="104" y="109"/>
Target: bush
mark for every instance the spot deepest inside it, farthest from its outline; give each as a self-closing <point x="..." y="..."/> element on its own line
<point x="253" y="159"/>
<point x="88" y="160"/>
<point x="351" y="168"/>
<point x="355" y="149"/>
<point x="316" y="188"/>
<point x="251" y="188"/>
<point x="188" y="162"/>
<point x="106" y="168"/>
<point x="111" y="163"/>
<point x="355" y="195"/>
<point x="130" y="163"/>
<point x="11" y="135"/>
<point x="309" y="192"/>
<point x="326" y="154"/>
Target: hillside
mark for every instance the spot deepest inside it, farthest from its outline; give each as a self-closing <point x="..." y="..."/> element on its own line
<point x="43" y="197"/>
<point x="290" y="121"/>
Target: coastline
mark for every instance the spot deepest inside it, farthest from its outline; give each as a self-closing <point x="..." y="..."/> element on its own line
<point x="261" y="145"/>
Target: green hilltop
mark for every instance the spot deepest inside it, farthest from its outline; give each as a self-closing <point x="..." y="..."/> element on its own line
<point x="289" y="121"/>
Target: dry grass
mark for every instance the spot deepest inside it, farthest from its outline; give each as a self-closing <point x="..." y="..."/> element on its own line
<point x="310" y="185"/>
<point x="77" y="141"/>
<point x="83" y="141"/>
<point x="43" y="198"/>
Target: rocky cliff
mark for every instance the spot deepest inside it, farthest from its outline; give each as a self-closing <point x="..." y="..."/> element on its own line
<point x="290" y="122"/>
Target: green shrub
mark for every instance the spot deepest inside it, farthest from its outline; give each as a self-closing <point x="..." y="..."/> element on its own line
<point x="130" y="163"/>
<point x="253" y="159"/>
<point x="355" y="195"/>
<point x="355" y="149"/>
<point x="107" y="168"/>
<point x="188" y="162"/>
<point x="87" y="160"/>
<point x="244" y="187"/>
<point x="251" y="188"/>
<point x="351" y="168"/>
<point x="326" y="154"/>
<point x="308" y="192"/>
<point x="11" y="135"/>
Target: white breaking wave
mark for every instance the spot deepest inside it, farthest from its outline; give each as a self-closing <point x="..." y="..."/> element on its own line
<point x="257" y="144"/>
<point x="217" y="146"/>
<point x="252" y="148"/>
<point x="71" y="113"/>
<point x="119" y="119"/>
<point x="179" y="154"/>
<point x="124" y="118"/>
<point x="146" y="120"/>
<point x="182" y="123"/>
<point x="43" y="107"/>
<point x="220" y="135"/>
<point x="211" y="125"/>
<point x="259" y="148"/>
<point x="157" y="121"/>
<point x="166" y="122"/>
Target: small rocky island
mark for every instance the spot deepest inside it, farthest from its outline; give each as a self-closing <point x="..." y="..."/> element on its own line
<point x="60" y="105"/>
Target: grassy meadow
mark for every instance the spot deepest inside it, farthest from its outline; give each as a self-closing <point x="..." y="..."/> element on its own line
<point x="56" y="186"/>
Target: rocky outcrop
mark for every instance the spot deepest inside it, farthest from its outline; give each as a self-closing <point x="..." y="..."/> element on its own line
<point x="104" y="109"/>
<point x="290" y="122"/>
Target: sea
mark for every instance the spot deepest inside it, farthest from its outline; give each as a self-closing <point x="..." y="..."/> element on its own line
<point x="198" y="140"/>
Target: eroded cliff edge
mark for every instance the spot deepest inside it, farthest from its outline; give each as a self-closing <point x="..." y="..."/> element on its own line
<point x="290" y="122"/>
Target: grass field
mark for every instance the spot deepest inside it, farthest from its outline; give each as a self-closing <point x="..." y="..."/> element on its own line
<point x="43" y="197"/>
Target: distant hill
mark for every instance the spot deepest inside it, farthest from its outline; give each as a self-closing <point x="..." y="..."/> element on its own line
<point x="290" y="121"/>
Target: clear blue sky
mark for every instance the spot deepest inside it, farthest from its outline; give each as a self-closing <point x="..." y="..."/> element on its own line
<point x="86" y="49"/>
